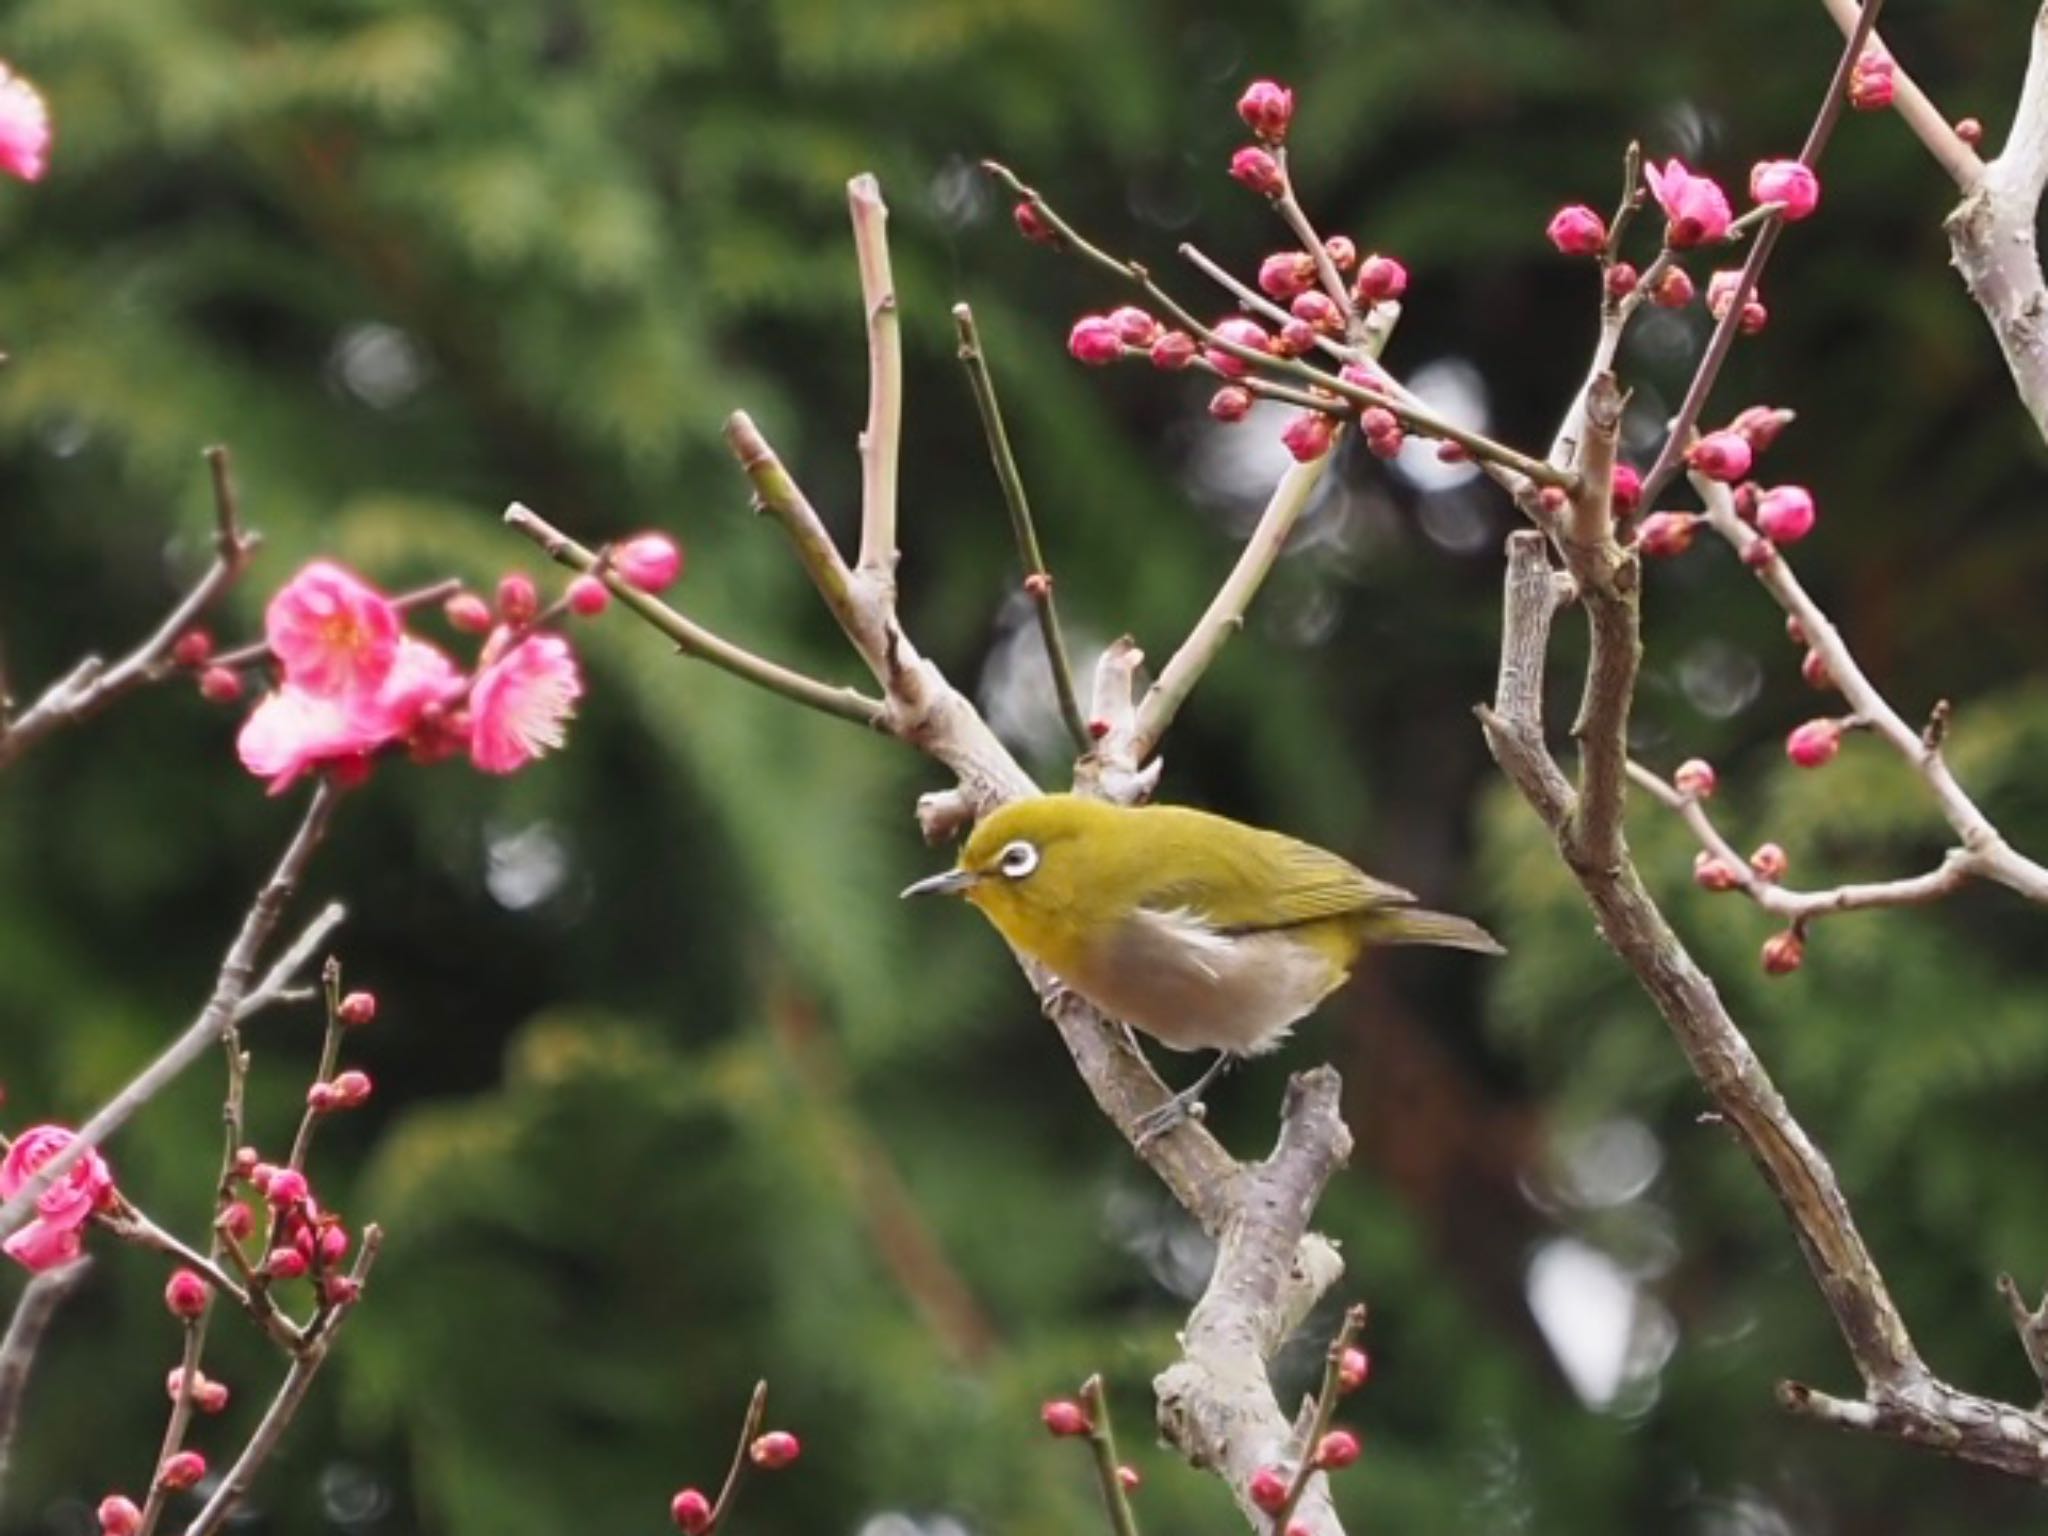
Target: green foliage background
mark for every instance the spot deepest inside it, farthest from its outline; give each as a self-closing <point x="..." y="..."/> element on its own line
<point x="673" y="1093"/>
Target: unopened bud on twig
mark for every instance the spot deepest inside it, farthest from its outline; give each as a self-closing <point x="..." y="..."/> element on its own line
<point x="1339" y="1448"/>
<point x="1353" y="1367"/>
<point x="1770" y="862"/>
<point x="1712" y="874"/>
<point x="119" y="1515"/>
<point x="1257" y="169"/>
<point x="185" y="1294"/>
<point x="1267" y="107"/>
<point x="1696" y="777"/>
<point x="1065" y="1418"/>
<point x="1814" y="743"/>
<point x="181" y="1470"/>
<point x="691" y="1510"/>
<point x="1268" y="1489"/>
<point x="1783" y="953"/>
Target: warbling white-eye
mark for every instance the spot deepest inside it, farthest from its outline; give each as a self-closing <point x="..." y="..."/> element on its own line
<point x="1203" y="932"/>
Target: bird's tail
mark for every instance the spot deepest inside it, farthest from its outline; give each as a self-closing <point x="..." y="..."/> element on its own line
<point x="1416" y="925"/>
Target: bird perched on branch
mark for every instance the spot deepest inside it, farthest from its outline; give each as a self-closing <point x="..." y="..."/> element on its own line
<point x="1203" y="932"/>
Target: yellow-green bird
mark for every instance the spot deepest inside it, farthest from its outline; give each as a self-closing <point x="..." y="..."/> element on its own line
<point x="1203" y="932"/>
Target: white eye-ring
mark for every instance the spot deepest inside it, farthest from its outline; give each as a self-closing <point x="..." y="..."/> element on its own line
<point x="1017" y="860"/>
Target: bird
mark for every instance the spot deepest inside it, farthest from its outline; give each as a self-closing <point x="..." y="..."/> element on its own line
<point x="1202" y="932"/>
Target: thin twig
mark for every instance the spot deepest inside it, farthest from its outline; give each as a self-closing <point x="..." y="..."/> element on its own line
<point x="1679" y="438"/>
<point x="691" y="638"/>
<point x="880" y="439"/>
<point x="1037" y="579"/>
<point x="330" y="1056"/>
<point x="750" y="1426"/>
<point x="33" y="1313"/>
<point x="1108" y="1465"/>
<point x="232" y="985"/>
<point x="1927" y="121"/>
<point x="92" y="684"/>
<point x="1296" y="218"/>
<point x="1324" y="1411"/>
<point x="291" y="1394"/>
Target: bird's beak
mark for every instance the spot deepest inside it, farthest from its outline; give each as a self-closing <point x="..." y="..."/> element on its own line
<point x="949" y="882"/>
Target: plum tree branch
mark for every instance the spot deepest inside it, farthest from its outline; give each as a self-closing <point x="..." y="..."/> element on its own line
<point x="40" y="1300"/>
<point x="92" y="684"/>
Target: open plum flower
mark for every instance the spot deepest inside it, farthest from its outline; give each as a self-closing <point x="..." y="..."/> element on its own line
<point x="52" y="1237"/>
<point x="355" y="683"/>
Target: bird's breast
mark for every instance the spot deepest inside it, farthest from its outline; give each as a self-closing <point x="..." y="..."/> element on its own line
<point x="1193" y="987"/>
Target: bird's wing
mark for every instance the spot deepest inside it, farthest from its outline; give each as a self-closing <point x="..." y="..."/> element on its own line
<point x="1241" y="879"/>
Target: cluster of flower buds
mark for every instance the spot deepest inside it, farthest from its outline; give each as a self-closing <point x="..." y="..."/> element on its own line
<point x="1871" y="86"/>
<point x="1271" y="1487"/>
<point x="345" y="1090"/>
<point x="305" y="1241"/>
<point x="692" y="1511"/>
<point x="208" y="1396"/>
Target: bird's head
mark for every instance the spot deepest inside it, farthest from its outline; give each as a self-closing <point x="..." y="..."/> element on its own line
<point x="1036" y="867"/>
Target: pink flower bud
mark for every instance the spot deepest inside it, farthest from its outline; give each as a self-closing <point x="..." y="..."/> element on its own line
<point x="208" y="1396"/>
<point x="1625" y="492"/>
<point x="588" y="597"/>
<point x="181" y="1470"/>
<point x="333" y="1244"/>
<point x="1387" y="445"/>
<point x="1134" y="327"/>
<point x="1032" y="225"/>
<point x="1284" y="274"/>
<point x="1343" y="254"/>
<point x="1173" y="351"/>
<point x="236" y="1219"/>
<point x="1770" y="863"/>
<point x="192" y="648"/>
<point x="1761" y="424"/>
<point x="690" y="1510"/>
<point x="1128" y="1479"/>
<point x="1353" y="1367"/>
<point x="287" y="1187"/>
<point x="246" y="1161"/>
<point x="320" y="1098"/>
<point x="1783" y="953"/>
<point x="1785" y="513"/>
<point x="1813" y="667"/>
<point x="1695" y="208"/>
<point x="1787" y="182"/>
<point x="1378" y="421"/>
<point x="1267" y="107"/>
<point x="1296" y="337"/>
<point x="1448" y="452"/>
<point x="185" y="1294"/>
<point x="1339" y="1448"/>
<point x="357" y="1009"/>
<point x="119" y="1516"/>
<point x="1723" y="456"/>
<point x="1308" y="436"/>
<point x="1380" y="278"/>
<point x="1814" y="743"/>
<point x="1758" y="553"/>
<point x="1268" y="1489"/>
<point x="778" y="1448"/>
<point x="1257" y="169"/>
<point x="467" y="613"/>
<point x="1093" y="341"/>
<point x="340" y="1290"/>
<point x="653" y="562"/>
<point x="1754" y="317"/>
<point x="1712" y="874"/>
<point x="1870" y="80"/>
<point x="1317" y="309"/>
<point x="1721" y="288"/>
<point x="1230" y="404"/>
<point x="1674" y="289"/>
<point x="1794" y="630"/>
<point x="220" y="685"/>
<point x="1244" y="333"/>
<point x="285" y="1264"/>
<point x="351" y="1088"/>
<point x="1065" y="1418"/>
<point x="1665" y="534"/>
<point x="1696" y="779"/>
<point x="1969" y="130"/>
<point x="518" y="598"/>
<point x="1621" y="279"/>
<point x="1551" y="499"/>
<point x="1577" y="230"/>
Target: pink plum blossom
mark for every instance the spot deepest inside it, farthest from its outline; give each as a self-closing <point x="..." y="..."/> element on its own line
<point x="334" y="633"/>
<point x="293" y="732"/>
<point x="1695" y="206"/>
<point x="24" y="127"/>
<point x="521" y="703"/>
<point x="52" y="1237"/>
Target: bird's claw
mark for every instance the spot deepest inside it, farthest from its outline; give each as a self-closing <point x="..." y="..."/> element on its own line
<point x="1164" y="1119"/>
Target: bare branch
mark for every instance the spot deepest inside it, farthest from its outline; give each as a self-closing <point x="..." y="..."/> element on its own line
<point x="1037" y="579"/>
<point x="1927" y="121"/>
<point x="1985" y="851"/>
<point x="2031" y="1324"/>
<point x="237" y="976"/>
<point x="33" y="1314"/>
<point x="691" y="638"/>
<point x="1216" y="1404"/>
<point x="92" y="685"/>
<point x="880" y="440"/>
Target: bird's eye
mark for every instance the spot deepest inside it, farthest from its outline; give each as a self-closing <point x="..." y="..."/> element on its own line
<point x="1017" y="860"/>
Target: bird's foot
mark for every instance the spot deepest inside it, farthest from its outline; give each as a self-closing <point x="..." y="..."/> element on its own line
<point x="1164" y="1119"/>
